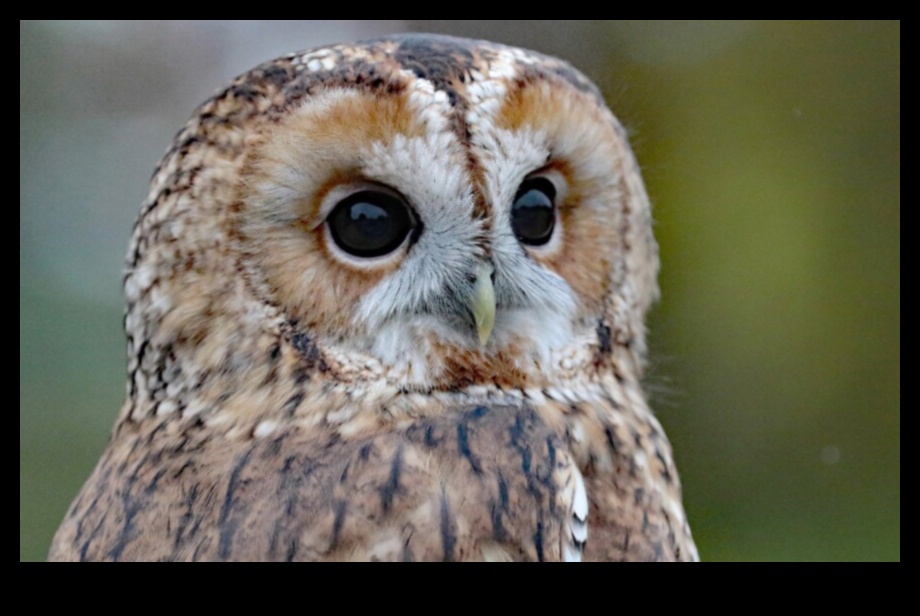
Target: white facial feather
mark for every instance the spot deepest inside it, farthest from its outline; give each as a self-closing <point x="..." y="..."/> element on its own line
<point x="446" y="249"/>
<point x="534" y="303"/>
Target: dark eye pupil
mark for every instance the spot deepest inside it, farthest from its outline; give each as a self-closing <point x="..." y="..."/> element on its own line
<point x="533" y="215"/>
<point x="370" y="224"/>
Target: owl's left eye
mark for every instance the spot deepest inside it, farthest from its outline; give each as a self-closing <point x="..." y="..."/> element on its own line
<point x="533" y="215"/>
<point x="370" y="223"/>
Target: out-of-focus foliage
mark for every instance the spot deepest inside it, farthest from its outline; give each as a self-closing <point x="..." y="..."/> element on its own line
<point x="772" y="151"/>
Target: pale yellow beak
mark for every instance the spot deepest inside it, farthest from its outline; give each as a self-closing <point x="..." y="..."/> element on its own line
<point x="482" y="303"/>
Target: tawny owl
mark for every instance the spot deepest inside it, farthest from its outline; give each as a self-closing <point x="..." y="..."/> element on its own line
<point x="386" y="301"/>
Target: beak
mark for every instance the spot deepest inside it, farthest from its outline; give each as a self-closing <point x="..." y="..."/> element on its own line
<point x="482" y="302"/>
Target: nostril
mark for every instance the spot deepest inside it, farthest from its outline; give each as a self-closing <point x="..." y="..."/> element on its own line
<point x="477" y="276"/>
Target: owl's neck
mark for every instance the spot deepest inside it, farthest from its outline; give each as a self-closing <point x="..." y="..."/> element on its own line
<point x="240" y="362"/>
<point x="275" y="377"/>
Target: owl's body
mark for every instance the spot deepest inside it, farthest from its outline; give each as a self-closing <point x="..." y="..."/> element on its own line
<point x="386" y="301"/>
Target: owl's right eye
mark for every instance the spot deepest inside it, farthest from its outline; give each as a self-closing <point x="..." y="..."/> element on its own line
<point x="370" y="223"/>
<point x="533" y="215"/>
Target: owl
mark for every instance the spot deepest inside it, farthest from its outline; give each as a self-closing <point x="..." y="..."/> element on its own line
<point x="386" y="302"/>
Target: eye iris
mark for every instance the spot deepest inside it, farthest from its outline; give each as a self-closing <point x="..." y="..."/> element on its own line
<point x="533" y="215"/>
<point x="370" y="224"/>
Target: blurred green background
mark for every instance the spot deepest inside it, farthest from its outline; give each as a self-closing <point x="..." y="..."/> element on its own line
<point x="772" y="152"/>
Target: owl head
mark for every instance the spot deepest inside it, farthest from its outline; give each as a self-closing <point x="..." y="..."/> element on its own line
<point x="427" y="213"/>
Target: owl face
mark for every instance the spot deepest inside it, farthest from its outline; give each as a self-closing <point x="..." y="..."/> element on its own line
<point x="461" y="223"/>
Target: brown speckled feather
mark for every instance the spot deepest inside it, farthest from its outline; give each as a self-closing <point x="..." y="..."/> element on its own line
<point x="477" y="484"/>
<point x="289" y="401"/>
